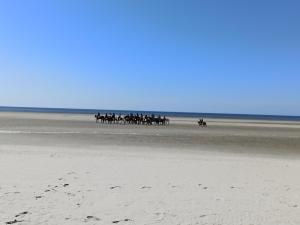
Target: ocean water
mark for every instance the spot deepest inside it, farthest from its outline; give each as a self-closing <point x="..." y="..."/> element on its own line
<point x="172" y="114"/>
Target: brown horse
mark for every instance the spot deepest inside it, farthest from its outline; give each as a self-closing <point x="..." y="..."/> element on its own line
<point x="99" y="117"/>
<point x="202" y="123"/>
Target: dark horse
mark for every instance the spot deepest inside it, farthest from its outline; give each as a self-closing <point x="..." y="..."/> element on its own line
<point x="202" y="123"/>
<point x="99" y="117"/>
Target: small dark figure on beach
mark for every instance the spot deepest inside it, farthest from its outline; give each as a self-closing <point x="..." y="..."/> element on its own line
<point x="202" y="123"/>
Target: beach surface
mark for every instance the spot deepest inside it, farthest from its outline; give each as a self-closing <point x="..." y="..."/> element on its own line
<point x="66" y="169"/>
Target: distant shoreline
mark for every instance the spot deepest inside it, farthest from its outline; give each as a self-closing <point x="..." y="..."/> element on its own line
<point x="170" y="114"/>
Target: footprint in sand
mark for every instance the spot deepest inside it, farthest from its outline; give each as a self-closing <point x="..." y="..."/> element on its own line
<point x="173" y="186"/>
<point x="203" y="215"/>
<point x="14" y="221"/>
<point x="114" y="187"/>
<point x="118" y="221"/>
<point x="70" y="194"/>
<point x="71" y="173"/>
<point x="146" y="187"/>
<point x="51" y="188"/>
<point x="16" y="192"/>
<point x="22" y="214"/>
<point x="91" y="218"/>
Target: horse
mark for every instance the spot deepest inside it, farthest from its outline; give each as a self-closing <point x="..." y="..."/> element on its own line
<point x="99" y="117"/>
<point x="202" y="123"/>
<point x="109" y="119"/>
<point x="127" y="119"/>
<point x="166" y="121"/>
<point x="148" y="121"/>
<point x="119" y="119"/>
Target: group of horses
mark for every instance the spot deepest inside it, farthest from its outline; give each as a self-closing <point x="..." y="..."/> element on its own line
<point x="138" y="119"/>
<point x="132" y="119"/>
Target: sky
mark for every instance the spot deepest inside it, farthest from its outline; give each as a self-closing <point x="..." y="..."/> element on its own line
<point x="232" y="56"/>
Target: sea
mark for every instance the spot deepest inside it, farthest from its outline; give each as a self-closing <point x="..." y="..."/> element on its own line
<point x="170" y="114"/>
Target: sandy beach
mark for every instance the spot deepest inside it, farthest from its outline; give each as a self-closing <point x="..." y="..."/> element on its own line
<point x="66" y="169"/>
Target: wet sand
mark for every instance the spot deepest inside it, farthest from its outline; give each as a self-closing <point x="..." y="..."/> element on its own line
<point x="66" y="169"/>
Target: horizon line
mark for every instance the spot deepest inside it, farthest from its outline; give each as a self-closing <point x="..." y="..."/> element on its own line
<point x="138" y="110"/>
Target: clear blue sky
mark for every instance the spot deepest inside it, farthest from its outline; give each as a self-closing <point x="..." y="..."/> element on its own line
<point x="201" y="56"/>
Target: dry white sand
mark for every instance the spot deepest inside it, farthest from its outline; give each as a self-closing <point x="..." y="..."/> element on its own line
<point x="66" y="169"/>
